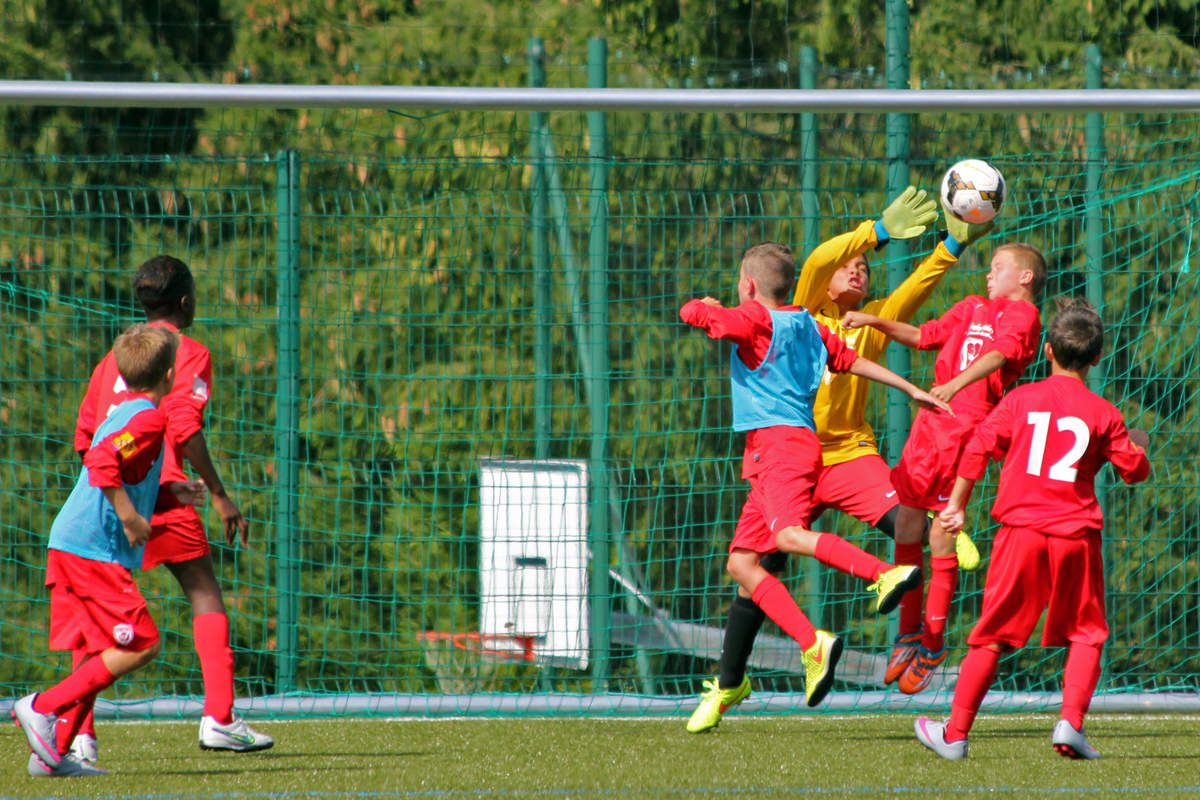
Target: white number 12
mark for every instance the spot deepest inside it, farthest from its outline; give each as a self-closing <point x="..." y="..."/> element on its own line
<point x="1064" y="468"/>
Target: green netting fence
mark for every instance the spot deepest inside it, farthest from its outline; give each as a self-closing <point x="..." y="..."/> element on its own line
<point x="449" y="291"/>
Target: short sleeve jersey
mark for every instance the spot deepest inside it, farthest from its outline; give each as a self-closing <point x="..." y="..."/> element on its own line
<point x="975" y="326"/>
<point x="127" y="450"/>
<point x="183" y="408"/>
<point x="1054" y="436"/>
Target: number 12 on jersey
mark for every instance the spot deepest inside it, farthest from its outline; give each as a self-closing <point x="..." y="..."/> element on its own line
<point x="1063" y="469"/>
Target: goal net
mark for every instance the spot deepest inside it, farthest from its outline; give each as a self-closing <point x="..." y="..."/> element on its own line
<point x="395" y="299"/>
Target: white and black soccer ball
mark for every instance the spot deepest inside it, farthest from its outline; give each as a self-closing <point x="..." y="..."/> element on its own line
<point x="973" y="190"/>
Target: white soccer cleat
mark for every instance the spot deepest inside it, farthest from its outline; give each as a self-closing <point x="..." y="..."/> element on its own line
<point x="38" y="728"/>
<point x="71" y="766"/>
<point x="933" y="735"/>
<point x="85" y="748"/>
<point x="1071" y="743"/>
<point x="236" y="736"/>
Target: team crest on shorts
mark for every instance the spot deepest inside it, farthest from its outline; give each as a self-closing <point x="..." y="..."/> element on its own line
<point x="123" y="633"/>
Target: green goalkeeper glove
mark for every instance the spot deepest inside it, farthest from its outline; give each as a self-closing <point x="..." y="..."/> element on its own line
<point x="909" y="215"/>
<point x="960" y="233"/>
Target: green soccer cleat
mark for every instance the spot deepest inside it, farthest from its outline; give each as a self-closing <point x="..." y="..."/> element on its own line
<point x="714" y="702"/>
<point x="967" y="552"/>
<point x="820" y="660"/>
<point x="892" y="585"/>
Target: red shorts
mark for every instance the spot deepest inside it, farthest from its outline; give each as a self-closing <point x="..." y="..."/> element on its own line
<point x="176" y="536"/>
<point x="95" y="605"/>
<point x="929" y="463"/>
<point x="780" y="493"/>
<point x="1029" y="571"/>
<point x="860" y="487"/>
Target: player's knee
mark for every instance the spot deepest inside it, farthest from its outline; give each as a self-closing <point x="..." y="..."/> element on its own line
<point x="941" y="542"/>
<point x="735" y="568"/>
<point x="796" y="539"/>
<point x="910" y="524"/>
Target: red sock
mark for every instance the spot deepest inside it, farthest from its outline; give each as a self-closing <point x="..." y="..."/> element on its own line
<point x="1080" y="677"/>
<point x="777" y="603"/>
<point x="211" y="632"/>
<point x="89" y="679"/>
<point x="975" y="676"/>
<point x="834" y="551"/>
<point x="78" y="718"/>
<point x="911" y="554"/>
<point x="70" y="723"/>
<point x="937" y="604"/>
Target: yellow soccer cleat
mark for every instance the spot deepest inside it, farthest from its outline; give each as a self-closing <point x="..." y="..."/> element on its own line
<point x="714" y="702"/>
<point x="967" y="552"/>
<point x="964" y="548"/>
<point x="820" y="660"/>
<point x="892" y="585"/>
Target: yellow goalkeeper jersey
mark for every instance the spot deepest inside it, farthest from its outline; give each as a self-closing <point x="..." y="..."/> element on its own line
<point x="841" y="401"/>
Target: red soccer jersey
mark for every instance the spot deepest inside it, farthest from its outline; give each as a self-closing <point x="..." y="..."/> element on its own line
<point x="183" y="408"/>
<point x="748" y="326"/>
<point x="126" y="455"/>
<point x="1054" y="436"/>
<point x="974" y="326"/>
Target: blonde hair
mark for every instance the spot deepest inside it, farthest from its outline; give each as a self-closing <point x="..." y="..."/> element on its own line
<point x="143" y="354"/>
<point x="1030" y="258"/>
<point x="772" y="267"/>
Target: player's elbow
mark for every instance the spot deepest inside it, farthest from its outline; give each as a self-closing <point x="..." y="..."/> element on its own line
<point x="1139" y="474"/>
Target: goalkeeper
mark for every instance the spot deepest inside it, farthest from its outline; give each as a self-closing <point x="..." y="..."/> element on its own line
<point x="854" y="478"/>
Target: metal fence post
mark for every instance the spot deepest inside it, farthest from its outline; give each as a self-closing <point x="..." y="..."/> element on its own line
<point x="287" y="420"/>
<point x="541" y="259"/>
<point x="597" y="326"/>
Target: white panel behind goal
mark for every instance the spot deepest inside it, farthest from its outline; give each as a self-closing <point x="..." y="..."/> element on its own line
<point x="533" y="556"/>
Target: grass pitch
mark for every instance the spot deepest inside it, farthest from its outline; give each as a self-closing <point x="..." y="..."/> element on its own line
<point x="585" y="759"/>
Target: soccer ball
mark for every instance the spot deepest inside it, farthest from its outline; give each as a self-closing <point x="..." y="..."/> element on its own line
<point x="973" y="190"/>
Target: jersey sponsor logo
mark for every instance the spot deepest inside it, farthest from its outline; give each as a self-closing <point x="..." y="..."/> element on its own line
<point x="943" y="498"/>
<point x="971" y="348"/>
<point x="122" y="633"/>
<point x="981" y="329"/>
<point x="124" y="444"/>
<point x="199" y="388"/>
<point x="892" y="493"/>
